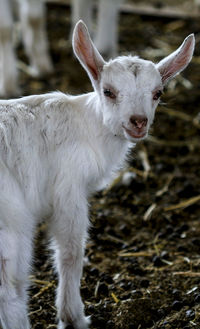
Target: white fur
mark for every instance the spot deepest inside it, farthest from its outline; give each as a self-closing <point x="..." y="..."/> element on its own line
<point x="55" y="151"/>
<point x="32" y="17"/>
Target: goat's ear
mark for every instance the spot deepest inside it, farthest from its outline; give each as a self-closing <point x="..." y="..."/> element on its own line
<point x="177" y="61"/>
<point x="87" y="53"/>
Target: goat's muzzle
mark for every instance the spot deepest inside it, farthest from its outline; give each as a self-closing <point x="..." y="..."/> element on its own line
<point x="137" y="127"/>
<point x="138" y="121"/>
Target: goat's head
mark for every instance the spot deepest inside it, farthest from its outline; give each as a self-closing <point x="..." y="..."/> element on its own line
<point x="129" y="88"/>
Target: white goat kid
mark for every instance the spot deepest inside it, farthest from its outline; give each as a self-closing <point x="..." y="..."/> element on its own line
<point x="32" y="17"/>
<point x="55" y="151"/>
<point x="106" y="37"/>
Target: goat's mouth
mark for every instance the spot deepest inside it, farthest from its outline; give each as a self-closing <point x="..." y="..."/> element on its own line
<point x="135" y="133"/>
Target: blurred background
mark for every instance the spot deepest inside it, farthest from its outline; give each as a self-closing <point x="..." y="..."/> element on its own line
<point x="143" y="268"/>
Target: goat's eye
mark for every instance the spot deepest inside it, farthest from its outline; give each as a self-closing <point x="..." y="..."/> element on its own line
<point x="109" y="93"/>
<point x="157" y="95"/>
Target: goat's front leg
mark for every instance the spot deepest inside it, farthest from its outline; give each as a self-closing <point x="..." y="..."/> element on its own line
<point x="8" y="65"/>
<point x="33" y="19"/>
<point x="107" y="28"/>
<point x="69" y="230"/>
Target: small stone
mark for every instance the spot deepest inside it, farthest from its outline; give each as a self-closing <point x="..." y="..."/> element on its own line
<point x="182" y="228"/>
<point x="125" y="285"/>
<point x="196" y="242"/>
<point x="169" y="229"/>
<point x="157" y="261"/>
<point x="161" y="235"/>
<point x="160" y="313"/>
<point x="136" y="270"/>
<point x="124" y="229"/>
<point x="108" y="279"/>
<point x="38" y="325"/>
<point x="85" y="292"/>
<point x="91" y="308"/>
<point x="103" y="289"/>
<point x="110" y="324"/>
<point x="190" y="314"/>
<point x="165" y="322"/>
<point x="132" y="326"/>
<point x="137" y="293"/>
<point x="127" y="296"/>
<point x="176" y="293"/>
<point x="174" y="236"/>
<point x="164" y="254"/>
<point x="94" y="271"/>
<point x="197" y="298"/>
<point x="144" y="283"/>
<point x="177" y="305"/>
<point x="100" y="321"/>
<point x="181" y="248"/>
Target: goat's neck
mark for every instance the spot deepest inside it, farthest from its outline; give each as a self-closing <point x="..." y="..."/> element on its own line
<point x="112" y="147"/>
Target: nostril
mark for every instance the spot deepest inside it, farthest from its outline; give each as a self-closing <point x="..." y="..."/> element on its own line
<point x="138" y="121"/>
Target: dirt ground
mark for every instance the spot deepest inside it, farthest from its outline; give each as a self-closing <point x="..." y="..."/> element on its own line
<point x="143" y="268"/>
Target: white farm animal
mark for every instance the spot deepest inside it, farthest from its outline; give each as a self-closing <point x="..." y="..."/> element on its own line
<point x="32" y="15"/>
<point x="106" y="38"/>
<point x="55" y="151"/>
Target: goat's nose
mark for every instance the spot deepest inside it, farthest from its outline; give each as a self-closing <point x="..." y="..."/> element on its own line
<point x="138" y="121"/>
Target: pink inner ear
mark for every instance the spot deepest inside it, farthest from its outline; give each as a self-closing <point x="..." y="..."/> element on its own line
<point x="175" y="66"/>
<point x="169" y="71"/>
<point x="85" y="51"/>
<point x="178" y="63"/>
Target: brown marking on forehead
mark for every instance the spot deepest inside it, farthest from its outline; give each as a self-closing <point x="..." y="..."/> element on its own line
<point x="135" y="68"/>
